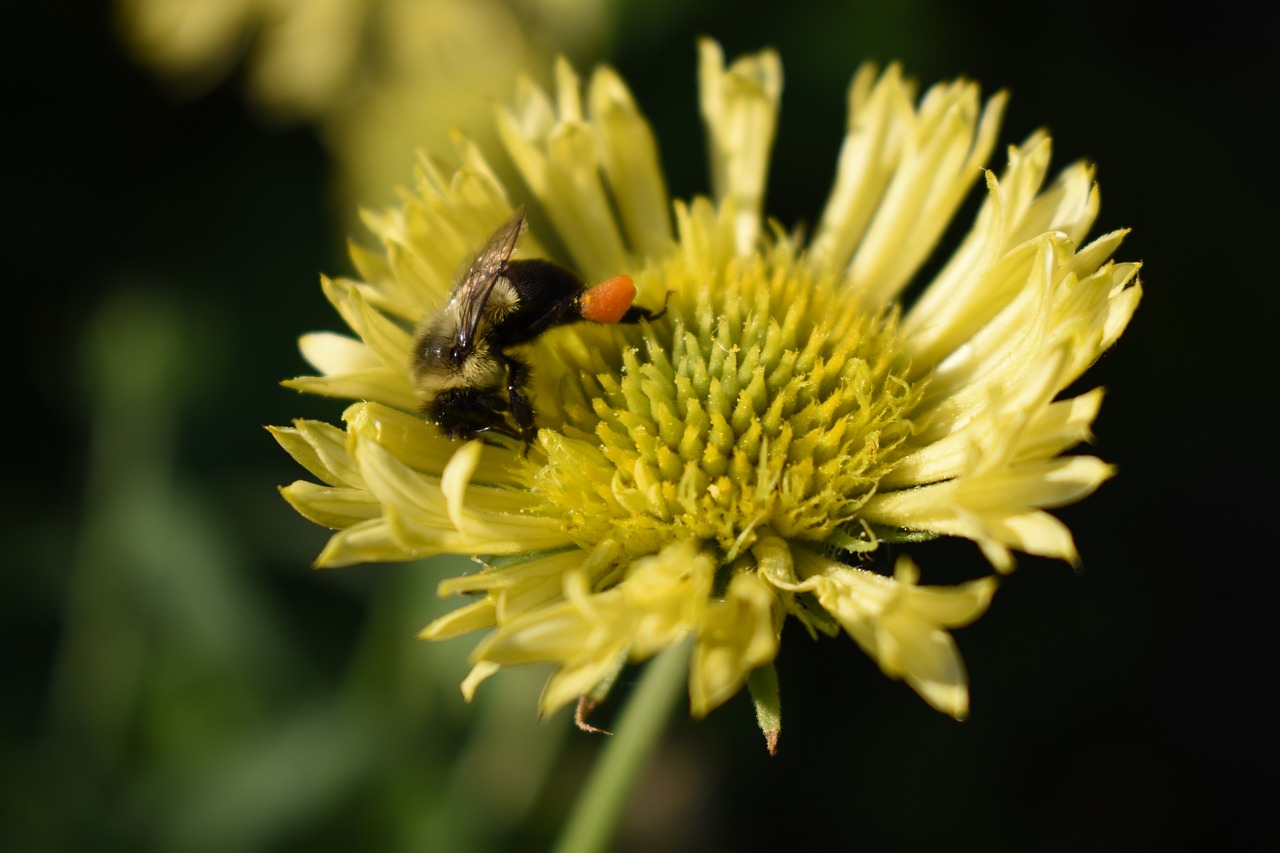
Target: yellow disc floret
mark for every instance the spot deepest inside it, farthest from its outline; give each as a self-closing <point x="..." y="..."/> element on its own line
<point x="767" y="401"/>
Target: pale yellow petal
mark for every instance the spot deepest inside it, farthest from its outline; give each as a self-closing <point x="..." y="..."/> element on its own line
<point x="737" y="634"/>
<point x="478" y="674"/>
<point x="477" y="616"/>
<point x="390" y="343"/>
<point x="334" y="354"/>
<point x="901" y="625"/>
<point x="902" y="173"/>
<point x="331" y="506"/>
<point x="877" y="107"/>
<point x="559" y="155"/>
<point x="557" y="634"/>
<point x="418" y="513"/>
<point x="944" y="148"/>
<point x="421" y="446"/>
<point x="997" y="507"/>
<point x="977" y="281"/>
<point x="366" y="542"/>
<point x="740" y="112"/>
<point x="667" y="593"/>
<point x="629" y="156"/>
<point x="1006" y="427"/>
<point x="523" y="587"/>
<point x="569" y="682"/>
<point x="321" y="448"/>
<point x="377" y="384"/>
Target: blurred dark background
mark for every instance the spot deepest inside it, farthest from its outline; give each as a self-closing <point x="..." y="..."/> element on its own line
<point x="178" y="678"/>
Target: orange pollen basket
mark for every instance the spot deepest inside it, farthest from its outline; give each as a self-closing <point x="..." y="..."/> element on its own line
<point x="608" y="300"/>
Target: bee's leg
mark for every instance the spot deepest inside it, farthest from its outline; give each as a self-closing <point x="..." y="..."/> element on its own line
<point x="517" y="391"/>
<point x="466" y="414"/>
<point x="635" y="313"/>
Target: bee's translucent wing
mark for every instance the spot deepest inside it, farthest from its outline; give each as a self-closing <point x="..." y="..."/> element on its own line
<point x="473" y="289"/>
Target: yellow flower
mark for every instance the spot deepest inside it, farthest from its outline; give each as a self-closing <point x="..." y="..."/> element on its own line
<point x="380" y="76"/>
<point x="305" y="55"/>
<point x="738" y="461"/>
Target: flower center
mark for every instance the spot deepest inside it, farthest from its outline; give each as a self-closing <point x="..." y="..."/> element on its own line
<point x="764" y="399"/>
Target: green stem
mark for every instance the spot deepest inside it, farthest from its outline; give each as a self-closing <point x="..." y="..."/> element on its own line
<point x="591" y="825"/>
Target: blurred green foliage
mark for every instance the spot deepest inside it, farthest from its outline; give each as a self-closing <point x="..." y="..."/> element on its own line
<point x="187" y="712"/>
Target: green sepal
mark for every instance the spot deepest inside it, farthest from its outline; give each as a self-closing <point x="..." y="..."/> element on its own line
<point x="812" y="616"/>
<point x="863" y="544"/>
<point x="902" y="536"/>
<point x="763" y="684"/>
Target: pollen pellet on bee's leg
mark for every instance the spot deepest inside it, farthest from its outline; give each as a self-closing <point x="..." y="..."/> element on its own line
<point x="609" y="300"/>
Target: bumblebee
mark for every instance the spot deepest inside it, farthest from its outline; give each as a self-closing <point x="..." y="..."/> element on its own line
<point x="471" y="383"/>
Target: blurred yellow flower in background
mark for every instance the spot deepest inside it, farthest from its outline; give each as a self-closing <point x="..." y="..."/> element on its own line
<point x="380" y="77"/>
<point x="744" y="458"/>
